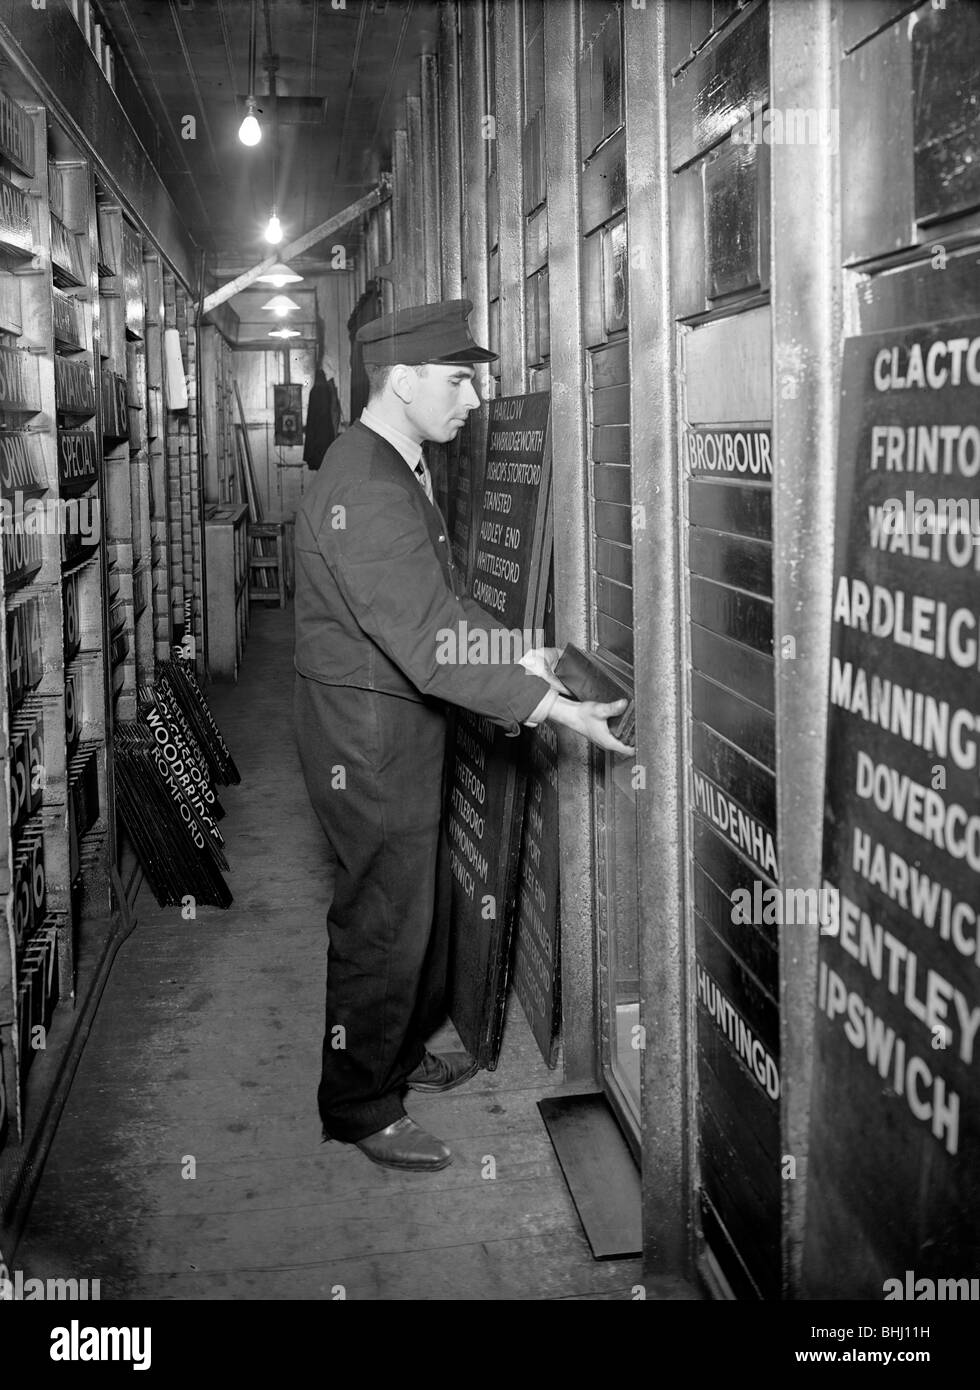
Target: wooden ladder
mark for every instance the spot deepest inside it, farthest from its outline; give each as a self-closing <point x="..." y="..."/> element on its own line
<point x="266" y="545"/>
<point x="267" y="562"/>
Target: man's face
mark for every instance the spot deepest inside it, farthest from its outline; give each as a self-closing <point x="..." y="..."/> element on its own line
<point x="442" y="397"/>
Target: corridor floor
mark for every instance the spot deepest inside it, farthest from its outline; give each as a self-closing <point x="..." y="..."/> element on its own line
<point x="188" y="1161"/>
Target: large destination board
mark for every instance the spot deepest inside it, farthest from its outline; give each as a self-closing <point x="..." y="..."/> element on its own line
<point x="894" y="1166"/>
<point x="733" y="805"/>
<point x="487" y="770"/>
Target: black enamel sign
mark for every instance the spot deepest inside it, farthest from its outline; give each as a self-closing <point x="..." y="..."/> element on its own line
<point x="894" y="1168"/>
<point x="487" y="769"/>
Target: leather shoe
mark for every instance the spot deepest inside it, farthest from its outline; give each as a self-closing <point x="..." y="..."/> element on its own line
<point x="442" y="1073"/>
<point x="405" y="1144"/>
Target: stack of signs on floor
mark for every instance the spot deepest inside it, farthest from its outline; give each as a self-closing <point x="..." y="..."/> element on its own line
<point x="487" y="770"/>
<point x="893" y="1181"/>
<point x="177" y="678"/>
<point x="167" y="765"/>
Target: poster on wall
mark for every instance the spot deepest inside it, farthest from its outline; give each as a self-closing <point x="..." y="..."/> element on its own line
<point x="893" y="1191"/>
<point x="288" y="413"/>
<point x="487" y="769"/>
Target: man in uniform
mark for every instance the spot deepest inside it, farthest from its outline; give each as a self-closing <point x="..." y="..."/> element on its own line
<point x="375" y="585"/>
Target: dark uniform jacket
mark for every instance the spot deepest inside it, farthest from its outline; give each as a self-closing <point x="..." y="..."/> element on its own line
<point x="376" y="588"/>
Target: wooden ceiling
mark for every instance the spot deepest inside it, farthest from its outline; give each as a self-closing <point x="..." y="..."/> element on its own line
<point x="341" y="71"/>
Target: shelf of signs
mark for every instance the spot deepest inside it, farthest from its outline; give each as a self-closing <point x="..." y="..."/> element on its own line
<point x="185" y="530"/>
<point x="92" y="500"/>
<point x="102" y="557"/>
<point x="158" y="539"/>
<point x="53" y="845"/>
<point x="125" y="450"/>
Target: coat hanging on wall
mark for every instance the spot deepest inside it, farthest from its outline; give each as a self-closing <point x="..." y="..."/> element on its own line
<point x="322" y="419"/>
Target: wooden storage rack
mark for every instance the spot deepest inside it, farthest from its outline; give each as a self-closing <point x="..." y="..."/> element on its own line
<point x="89" y="602"/>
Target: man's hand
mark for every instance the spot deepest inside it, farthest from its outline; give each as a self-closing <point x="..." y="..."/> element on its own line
<point x="589" y="717"/>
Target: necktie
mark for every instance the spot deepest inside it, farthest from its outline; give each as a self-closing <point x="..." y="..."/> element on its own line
<point x="422" y="473"/>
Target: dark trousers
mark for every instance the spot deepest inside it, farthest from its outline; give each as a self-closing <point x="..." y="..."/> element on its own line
<point x="373" y="765"/>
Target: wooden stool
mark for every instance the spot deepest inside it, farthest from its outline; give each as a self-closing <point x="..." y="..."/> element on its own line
<point x="267" y="562"/>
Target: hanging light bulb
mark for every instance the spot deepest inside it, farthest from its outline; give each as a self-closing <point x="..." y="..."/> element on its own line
<point x="250" y="132"/>
<point x="280" y="275"/>
<point x="281" y="305"/>
<point x="273" y="232"/>
<point x="285" y="333"/>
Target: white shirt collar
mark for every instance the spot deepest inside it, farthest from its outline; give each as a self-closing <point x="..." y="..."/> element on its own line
<point x="410" y="451"/>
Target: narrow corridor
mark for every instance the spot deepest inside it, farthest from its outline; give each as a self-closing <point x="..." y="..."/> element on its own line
<point x="203" y="1059"/>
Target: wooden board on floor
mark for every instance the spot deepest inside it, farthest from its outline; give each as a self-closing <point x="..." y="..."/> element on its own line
<point x="599" y="1170"/>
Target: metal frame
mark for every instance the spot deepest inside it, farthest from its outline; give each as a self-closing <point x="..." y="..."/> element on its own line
<point x="807" y="326"/>
<point x="408" y="282"/>
<point x="509" y="49"/>
<point x="414" y="266"/>
<point x="576" y="828"/>
<point x="473" y="264"/>
<point x="450" y="153"/>
<point x="432" y="222"/>
<point x="666" y="1098"/>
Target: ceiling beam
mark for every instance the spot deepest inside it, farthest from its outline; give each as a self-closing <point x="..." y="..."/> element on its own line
<point x="310" y="238"/>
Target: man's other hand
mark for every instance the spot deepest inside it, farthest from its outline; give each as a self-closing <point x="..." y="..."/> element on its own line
<point x="590" y="717"/>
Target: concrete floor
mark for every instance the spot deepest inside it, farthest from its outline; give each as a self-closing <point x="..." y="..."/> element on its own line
<point x="188" y="1161"/>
